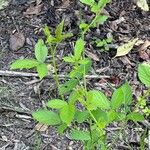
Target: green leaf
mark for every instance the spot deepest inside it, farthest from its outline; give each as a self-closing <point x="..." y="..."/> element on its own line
<point x="144" y="73"/>
<point x="47" y="31"/>
<point x="62" y="128"/>
<point x="134" y="116"/>
<point x="143" y="5"/>
<point x="80" y="135"/>
<point x="67" y="114"/>
<point x="99" y="20"/>
<point x="127" y="93"/>
<point x="46" y="117"/>
<point x="97" y="99"/>
<point x="102" y="3"/>
<point x="81" y="116"/>
<point x="69" y="59"/>
<point x="126" y="48"/>
<point x="56" y="103"/>
<point x="73" y="97"/>
<point x="68" y="86"/>
<point x="83" y="25"/>
<point x="79" y="47"/>
<point x="88" y="2"/>
<point x="101" y="117"/>
<point x="112" y="115"/>
<point x="95" y="8"/>
<point x="41" y="51"/>
<point x="81" y="70"/>
<point x="122" y="95"/>
<point x="24" y="64"/>
<point x="42" y="70"/>
<point x="66" y="35"/>
<point x="59" y="30"/>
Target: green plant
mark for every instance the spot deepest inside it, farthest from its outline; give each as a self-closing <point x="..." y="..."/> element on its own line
<point x="103" y="44"/>
<point x="98" y="110"/>
<point x="144" y="76"/>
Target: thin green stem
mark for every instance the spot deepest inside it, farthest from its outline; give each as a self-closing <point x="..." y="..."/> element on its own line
<point x="56" y="78"/>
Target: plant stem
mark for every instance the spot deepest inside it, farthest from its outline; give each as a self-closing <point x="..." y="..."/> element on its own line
<point x="56" y="78"/>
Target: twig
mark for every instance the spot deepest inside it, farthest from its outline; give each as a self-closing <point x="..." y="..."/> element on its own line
<point x="3" y="108"/>
<point x="26" y="74"/>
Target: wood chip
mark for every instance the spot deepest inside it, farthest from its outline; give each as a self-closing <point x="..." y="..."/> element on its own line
<point x="92" y="56"/>
<point x="16" y="41"/>
<point x="34" y="10"/>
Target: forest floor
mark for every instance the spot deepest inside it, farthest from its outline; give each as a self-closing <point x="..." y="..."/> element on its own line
<point x="19" y="96"/>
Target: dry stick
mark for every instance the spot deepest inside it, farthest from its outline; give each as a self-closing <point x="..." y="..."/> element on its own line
<point x="26" y="74"/>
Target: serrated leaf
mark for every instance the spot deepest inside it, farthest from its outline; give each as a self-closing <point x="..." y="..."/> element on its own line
<point x="67" y="114"/>
<point x="134" y="116"/>
<point x="88" y="2"/>
<point x="122" y="95"/>
<point x="82" y="69"/>
<point x="47" y="31"/>
<point x="46" y="117"/>
<point x="68" y="86"/>
<point x="69" y="59"/>
<point x="3" y="4"/>
<point x="24" y="64"/>
<point x="41" y="51"/>
<point x="144" y="73"/>
<point x="42" y="70"/>
<point x="79" y="47"/>
<point x="81" y="116"/>
<point x="56" y="103"/>
<point x="143" y="5"/>
<point x="126" y="48"/>
<point x="80" y="135"/>
<point x="127" y="93"/>
<point x="59" y="30"/>
<point x="97" y="99"/>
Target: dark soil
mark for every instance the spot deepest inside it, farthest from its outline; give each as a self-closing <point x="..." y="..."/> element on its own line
<point x="19" y="96"/>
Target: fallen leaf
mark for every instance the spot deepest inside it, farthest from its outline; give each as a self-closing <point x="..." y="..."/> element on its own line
<point x="142" y="51"/>
<point x="3" y="4"/>
<point x="143" y="5"/>
<point x="41" y="127"/>
<point x="145" y="45"/>
<point x="126" y="48"/>
<point x="33" y="10"/>
<point x="16" y="41"/>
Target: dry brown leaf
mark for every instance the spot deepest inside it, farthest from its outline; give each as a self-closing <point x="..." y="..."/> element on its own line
<point x="33" y="10"/>
<point x="41" y="127"/>
<point x="16" y="41"/>
<point x="142" y="51"/>
<point x="145" y="45"/>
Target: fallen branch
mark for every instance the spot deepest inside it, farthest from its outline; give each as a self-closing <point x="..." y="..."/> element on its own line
<point x="26" y="74"/>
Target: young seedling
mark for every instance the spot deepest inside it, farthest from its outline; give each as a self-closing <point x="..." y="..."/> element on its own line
<point x="103" y="44"/>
